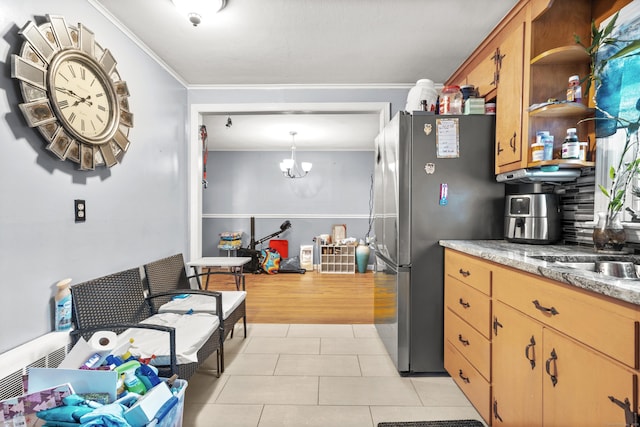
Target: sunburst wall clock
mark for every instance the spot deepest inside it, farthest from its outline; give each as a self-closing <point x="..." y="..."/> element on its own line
<point x="73" y="93"/>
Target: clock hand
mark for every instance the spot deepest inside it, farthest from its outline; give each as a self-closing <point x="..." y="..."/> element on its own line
<point x="85" y="100"/>
<point x="69" y="92"/>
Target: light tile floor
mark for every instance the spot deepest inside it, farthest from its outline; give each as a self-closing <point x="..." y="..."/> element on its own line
<point x="315" y="375"/>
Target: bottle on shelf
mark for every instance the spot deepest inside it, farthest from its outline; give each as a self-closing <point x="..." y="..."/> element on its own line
<point x="574" y="90"/>
<point x="571" y="146"/>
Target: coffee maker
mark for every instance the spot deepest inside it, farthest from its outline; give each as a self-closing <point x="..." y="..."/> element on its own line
<point x="532" y="215"/>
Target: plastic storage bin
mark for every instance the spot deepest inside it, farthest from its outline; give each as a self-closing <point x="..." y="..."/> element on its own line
<point x="174" y="416"/>
<point x="423" y="90"/>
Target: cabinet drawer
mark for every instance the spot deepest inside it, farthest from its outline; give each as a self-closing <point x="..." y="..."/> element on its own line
<point x="469" y="270"/>
<point x="476" y="388"/>
<point x="472" y="306"/>
<point x="601" y="323"/>
<point x="469" y="342"/>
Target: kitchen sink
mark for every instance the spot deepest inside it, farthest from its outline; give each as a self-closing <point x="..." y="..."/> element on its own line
<point x="586" y="258"/>
<point x="618" y="266"/>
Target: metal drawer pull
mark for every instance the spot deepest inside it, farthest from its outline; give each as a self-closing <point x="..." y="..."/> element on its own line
<point x="554" y="376"/>
<point x="465" y="379"/>
<point x="464" y="273"/>
<point x="551" y="310"/>
<point x="464" y="304"/>
<point x="462" y="340"/>
<point x="531" y="347"/>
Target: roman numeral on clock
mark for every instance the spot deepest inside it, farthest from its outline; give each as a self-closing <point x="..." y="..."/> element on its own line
<point x="72" y="117"/>
<point x="63" y="104"/>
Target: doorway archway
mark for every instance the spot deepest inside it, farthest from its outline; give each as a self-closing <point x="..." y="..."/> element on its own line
<point x="194" y="152"/>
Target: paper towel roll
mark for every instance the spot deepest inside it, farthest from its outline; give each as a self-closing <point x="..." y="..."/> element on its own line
<point x="101" y="343"/>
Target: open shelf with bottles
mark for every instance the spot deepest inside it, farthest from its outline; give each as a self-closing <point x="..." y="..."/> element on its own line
<point x="554" y="57"/>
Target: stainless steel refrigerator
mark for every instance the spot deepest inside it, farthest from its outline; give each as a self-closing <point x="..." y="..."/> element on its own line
<point x="434" y="179"/>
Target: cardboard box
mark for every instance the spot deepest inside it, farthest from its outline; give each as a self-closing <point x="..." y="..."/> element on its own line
<point x="82" y="380"/>
<point x="25" y="407"/>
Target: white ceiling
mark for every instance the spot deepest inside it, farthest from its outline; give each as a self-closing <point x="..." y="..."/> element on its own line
<point x="317" y="131"/>
<point x="308" y="42"/>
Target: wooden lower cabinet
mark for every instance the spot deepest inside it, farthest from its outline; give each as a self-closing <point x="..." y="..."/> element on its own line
<point x="517" y="368"/>
<point x="575" y="365"/>
<point x="471" y="382"/>
<point x="544" y="378"/>
<point x="585" y="381"/>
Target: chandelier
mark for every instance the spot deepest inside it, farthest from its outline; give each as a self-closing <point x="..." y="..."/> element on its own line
<point x="289" y="167"/>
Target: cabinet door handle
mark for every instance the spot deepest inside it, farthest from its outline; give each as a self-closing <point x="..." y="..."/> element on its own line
<point x="500" y="149"/>
<point x="464" y="303"/>
<point x="543" y="309"/>
<point x="512" y="142"/>
<point x="465" y="273"/>
<point x="461" y="375"/>
<point x="530" y="352"/>
<point x="496" y="325"/>
<point x="495" y="411"/>
<point x="462" y="340"/>
<point x="554" y="375"/>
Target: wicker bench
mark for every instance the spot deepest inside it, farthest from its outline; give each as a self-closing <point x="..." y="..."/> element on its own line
<point x="117" y="303"/>
<point x="167" y="277"/>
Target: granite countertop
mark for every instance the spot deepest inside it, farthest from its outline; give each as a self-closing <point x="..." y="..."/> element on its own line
<point x="531" y="258"/>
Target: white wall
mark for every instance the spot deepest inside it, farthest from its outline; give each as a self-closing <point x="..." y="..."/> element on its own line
<point x="136" y="211"/>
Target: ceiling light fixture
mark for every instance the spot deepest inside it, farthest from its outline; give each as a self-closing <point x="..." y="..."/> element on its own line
<point x="289" y="167"/>
<point x="195" y="10"/>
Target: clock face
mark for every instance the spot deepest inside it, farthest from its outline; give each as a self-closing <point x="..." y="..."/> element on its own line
<point x="73" y="93"/>
<point x="84" y="98"/>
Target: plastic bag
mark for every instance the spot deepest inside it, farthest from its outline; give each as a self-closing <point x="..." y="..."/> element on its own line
<point x="290" y="264"/>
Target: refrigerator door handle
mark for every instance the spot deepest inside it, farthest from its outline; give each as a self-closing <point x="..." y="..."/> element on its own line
<point x="387" y="261"/>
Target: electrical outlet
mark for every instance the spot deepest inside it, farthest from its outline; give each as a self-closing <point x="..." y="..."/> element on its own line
<point x="80" y="210"/>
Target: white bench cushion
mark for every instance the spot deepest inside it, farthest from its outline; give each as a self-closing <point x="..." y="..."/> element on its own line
<point x="205" y="304"/>
<point x="192" y="331"/>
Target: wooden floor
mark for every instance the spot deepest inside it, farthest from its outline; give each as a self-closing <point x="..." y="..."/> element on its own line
<point x="307" y="298"/>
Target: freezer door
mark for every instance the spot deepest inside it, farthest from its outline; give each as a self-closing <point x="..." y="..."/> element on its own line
<point x="391" y="310"/>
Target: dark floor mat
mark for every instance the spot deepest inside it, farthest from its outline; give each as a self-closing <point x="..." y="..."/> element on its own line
<point x="450" y="423"/>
